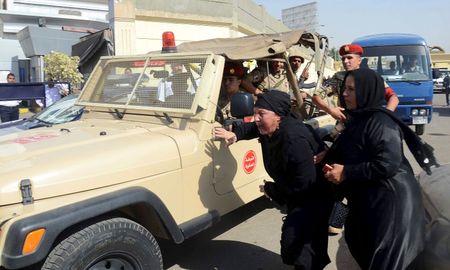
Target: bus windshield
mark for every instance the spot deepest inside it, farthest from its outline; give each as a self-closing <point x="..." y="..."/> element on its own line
<point x="398" y="63"/>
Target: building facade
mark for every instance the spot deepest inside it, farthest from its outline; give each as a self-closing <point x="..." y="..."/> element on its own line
<point x="138" y="24"/>
<point x="29" y="29"/>
<point x="302" y="17"/>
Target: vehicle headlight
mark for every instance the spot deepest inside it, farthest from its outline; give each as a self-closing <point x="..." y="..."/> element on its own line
<point x="423" y="112"/>
<point x="415" y="112"/>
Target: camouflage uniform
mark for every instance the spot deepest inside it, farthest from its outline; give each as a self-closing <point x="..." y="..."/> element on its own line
<point x="331" y="88"/>
<point x="224" y="104"/>
<point x="263" y="81"/>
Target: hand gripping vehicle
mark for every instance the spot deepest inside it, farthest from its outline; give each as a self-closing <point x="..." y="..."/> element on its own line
<point x="140" y="165"/>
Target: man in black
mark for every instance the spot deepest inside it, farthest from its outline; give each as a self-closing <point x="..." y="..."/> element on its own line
<point x="447" y="87"/>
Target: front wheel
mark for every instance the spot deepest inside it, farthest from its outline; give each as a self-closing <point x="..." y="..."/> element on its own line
<point x="117" y="243"/>
<point x="420" y="129"/>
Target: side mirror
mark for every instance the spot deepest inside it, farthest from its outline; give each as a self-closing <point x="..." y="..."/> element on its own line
<point x="241" y="105"/>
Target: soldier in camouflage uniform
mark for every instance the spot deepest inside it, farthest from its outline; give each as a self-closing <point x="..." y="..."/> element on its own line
<point x="259" y="80"/>
<point x="231" y="82"/>
<point x="351" y="60"/>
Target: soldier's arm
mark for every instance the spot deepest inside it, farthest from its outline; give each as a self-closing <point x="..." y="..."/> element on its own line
<point x="392" y="102"/>
<point x="391" y="98"/>
<point x="335" y="112"/>
<point x="248" y="86"/>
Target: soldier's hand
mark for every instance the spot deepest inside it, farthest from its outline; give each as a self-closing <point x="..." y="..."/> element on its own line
<point x="305" y="75"/>
<point x="337" y="113"/>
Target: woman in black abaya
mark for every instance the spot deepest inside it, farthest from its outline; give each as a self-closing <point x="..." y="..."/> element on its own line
<point x="288" y="148"/>
<point x="385" y="225"/>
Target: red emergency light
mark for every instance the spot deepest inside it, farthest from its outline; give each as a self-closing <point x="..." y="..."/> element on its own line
<point x="168" y="42"/>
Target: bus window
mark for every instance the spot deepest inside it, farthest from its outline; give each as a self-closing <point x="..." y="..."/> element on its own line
<point x="412" y="66"/>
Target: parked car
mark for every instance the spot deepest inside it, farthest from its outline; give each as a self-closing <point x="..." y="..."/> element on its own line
<point x="60" y="112"/>
<point x="436" y="195"/>
<point x="438" y="78"/>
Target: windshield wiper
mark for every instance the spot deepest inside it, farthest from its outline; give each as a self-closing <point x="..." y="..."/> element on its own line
<point x="414" y="82"/>
<point x="119" y="114"/>
<point x="168" y="118"/>
<point x="47" y="124"/>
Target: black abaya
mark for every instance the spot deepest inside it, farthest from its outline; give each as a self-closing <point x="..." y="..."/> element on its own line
<point x="385" y="225"/>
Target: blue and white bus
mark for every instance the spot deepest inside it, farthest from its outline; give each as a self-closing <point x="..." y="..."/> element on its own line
<point x="403" y="60"/>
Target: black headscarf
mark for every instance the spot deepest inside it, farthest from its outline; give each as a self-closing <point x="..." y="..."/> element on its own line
<point x="369" y="90"/>
<point x="275" y="101"/>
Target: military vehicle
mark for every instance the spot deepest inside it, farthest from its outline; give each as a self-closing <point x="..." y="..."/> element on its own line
<point x="140" y="165"/>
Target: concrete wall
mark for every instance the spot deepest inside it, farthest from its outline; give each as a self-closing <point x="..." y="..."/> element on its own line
<point x="144" y="21"/>
<point x="9" y="58"/>
<point x="440" y="60"/>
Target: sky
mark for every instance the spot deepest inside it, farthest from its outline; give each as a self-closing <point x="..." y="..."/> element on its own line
<point x="344" y="20"/>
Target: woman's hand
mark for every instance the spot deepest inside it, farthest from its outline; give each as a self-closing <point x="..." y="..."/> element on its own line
<point x="318" y="158"/>
<point x="336" y="174"/>
<point x="228" y="136"/>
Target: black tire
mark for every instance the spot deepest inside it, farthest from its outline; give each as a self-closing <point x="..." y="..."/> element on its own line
<point x="420" y="129"/>
<point x="116" y="243"/>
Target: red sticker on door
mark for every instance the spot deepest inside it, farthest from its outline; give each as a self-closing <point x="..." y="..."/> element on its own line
<point x="34" y="138"/>
<point x="249" y="162"/>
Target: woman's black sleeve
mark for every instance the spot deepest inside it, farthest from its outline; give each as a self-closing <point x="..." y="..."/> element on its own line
<point x="246" y="131"/>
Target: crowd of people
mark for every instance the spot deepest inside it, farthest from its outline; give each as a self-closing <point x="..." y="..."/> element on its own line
<point x="385" y="224"/>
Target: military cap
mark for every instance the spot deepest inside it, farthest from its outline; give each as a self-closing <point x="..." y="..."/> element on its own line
<point x="350" y="49"/>
<point x="295" y="52"/>
<point x="234" y="69"/>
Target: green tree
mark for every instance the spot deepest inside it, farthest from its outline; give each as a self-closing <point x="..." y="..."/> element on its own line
<point x="333" y="53"/>
<point x="63" y="68"/>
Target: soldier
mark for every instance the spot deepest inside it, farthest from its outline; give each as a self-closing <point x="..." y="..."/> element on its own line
<point x="351" y="60"/>
<point x="231" y="84"/>
<point x="259" y="80"/>
<point x="296" y="60"/>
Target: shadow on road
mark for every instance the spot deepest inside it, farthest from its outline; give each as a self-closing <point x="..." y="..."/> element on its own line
<point x="225" y="254"/>
<point x="344" y="260"/>
<point x="204" y="252"/>
<point x="442" y="110"/>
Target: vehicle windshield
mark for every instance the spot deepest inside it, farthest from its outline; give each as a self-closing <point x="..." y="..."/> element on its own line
<point x="145" y="82"/>
<point x="61" y="111"/>
<point x="398" y="63"/>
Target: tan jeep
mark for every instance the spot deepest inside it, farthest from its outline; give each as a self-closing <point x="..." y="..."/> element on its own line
<point x="141" y="164"/>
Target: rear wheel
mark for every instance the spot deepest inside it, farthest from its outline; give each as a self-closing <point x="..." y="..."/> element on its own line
<point x="116" y="243"/>
<point x="420" y="129"/>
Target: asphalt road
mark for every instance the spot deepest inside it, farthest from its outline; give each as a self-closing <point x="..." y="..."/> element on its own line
<point x="249" y="237"/>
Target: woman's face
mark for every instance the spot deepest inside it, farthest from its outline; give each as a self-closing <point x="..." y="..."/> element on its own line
<point x="349" y="93"/>
<point x="266" y="121"/>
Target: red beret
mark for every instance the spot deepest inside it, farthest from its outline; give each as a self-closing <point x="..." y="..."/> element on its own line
<point x="350" y="49"/>
<point x="233" y="69"/>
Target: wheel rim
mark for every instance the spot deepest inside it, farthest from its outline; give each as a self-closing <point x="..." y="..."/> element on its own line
<point x="114" y="262"/>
